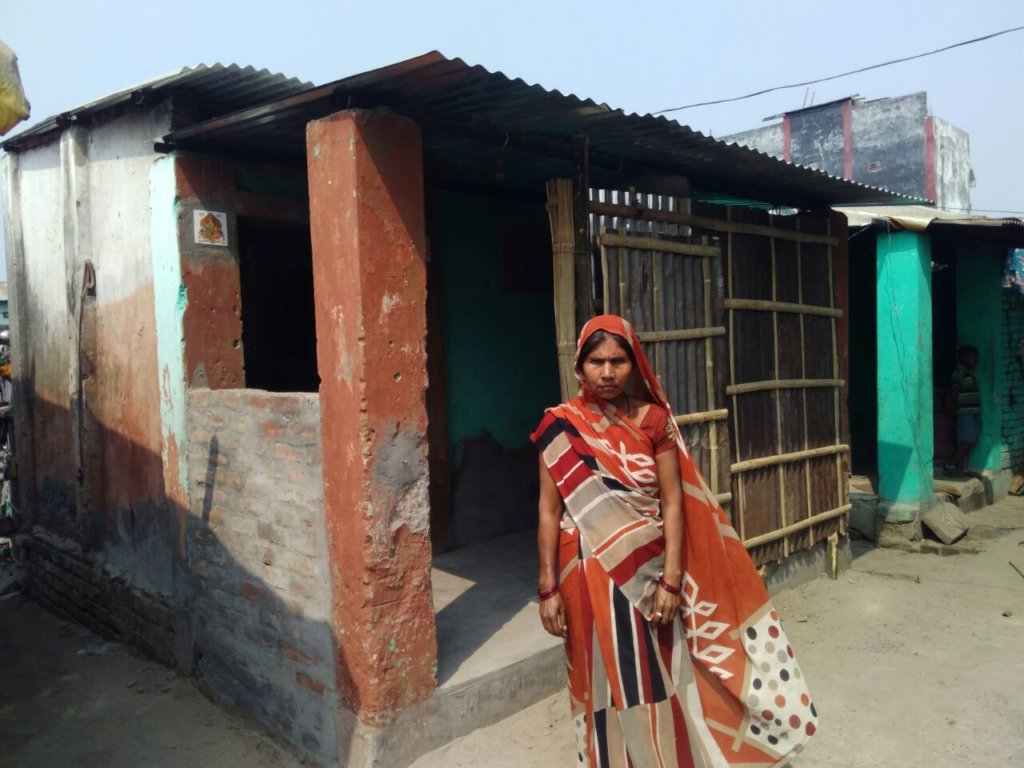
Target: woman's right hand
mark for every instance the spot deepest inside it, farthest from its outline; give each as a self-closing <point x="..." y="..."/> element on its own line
<point x="552" y="616"/>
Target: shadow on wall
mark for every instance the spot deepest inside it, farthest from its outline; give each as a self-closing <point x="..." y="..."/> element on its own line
<point x="495" y="491"/>
<point x="245" y="606"/>
<point x="893" y="467"/>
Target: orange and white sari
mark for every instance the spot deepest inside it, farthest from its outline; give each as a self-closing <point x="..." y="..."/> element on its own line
<point x="717" y="687"/>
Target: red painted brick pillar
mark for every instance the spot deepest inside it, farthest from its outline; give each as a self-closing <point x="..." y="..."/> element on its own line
<point x="369" y="277"/>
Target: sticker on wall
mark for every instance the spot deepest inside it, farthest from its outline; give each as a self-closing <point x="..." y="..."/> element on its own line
<point x="210" y="227"/>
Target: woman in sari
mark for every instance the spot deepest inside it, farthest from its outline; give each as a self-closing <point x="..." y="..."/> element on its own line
<point x="675" y="655"/>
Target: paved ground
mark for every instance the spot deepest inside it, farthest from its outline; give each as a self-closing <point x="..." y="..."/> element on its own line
<point x="914" y="661"/>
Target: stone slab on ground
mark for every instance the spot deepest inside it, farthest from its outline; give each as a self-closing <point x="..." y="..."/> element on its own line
<point x="965" y="491"/>
<point x="946" y="521"/>
<point x="864" y="514"/>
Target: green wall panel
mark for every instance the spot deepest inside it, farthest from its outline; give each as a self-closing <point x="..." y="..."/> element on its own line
<point x="499" y="338"/>
<point x="905" y="427"/>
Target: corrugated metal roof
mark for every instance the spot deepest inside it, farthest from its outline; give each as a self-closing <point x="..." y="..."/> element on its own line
<point x="218" y="89"/>
<point x="913" y="217"/>
<point x="919" y="218"/>
<point x="483" y="128"/>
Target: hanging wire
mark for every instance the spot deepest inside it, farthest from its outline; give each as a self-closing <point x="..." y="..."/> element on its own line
<point x="843" y="74"/>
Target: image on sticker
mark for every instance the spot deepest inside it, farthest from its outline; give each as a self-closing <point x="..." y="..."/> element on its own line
<point x="211" y="227"/>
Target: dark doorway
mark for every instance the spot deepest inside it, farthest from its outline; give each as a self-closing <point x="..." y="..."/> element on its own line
<point x="944" y="345"/>
<point x="278" y="321"/>
<point x="863" y="325"/>
<point x="492" y="361"/>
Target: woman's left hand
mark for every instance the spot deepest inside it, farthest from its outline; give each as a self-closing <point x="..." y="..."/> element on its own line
<point x="665" y="607"/>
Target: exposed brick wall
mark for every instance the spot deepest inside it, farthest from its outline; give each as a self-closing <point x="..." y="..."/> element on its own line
<point x="1013" y="394"/>
<point x="258" y="554"/>
<point x="79" y="587"/>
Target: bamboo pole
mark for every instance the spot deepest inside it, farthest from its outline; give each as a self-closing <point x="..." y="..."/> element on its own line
<point x="737" y="481"/>
<point x="563" y="249"/>
<point x="840" y="475"/>
<point x="681" y="334"/>
<point x="821" y="517"/>
<point x="777" y="395"/>
<point x="659" y="322"/>
<point x="642" y="212"/>
<point x="657" y="245"/>
<point x="803" y="372"/>
<point x="622" y="280"/>
<point x="723" y="498"/>
<point x="709" y="365"/>
<point x="605" y="289"/>
<point x="761" y="386"/>
<point x="701" y="417"/>
<point x="786" y="458"/>
<point x="783" y="306"/>
<point x="579" y="217"/>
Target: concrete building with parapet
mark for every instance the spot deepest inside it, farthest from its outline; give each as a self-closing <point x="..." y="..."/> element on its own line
<point x="892" y="142"/>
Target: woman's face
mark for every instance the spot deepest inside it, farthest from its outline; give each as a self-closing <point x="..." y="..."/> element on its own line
<point x="606" y="370"/>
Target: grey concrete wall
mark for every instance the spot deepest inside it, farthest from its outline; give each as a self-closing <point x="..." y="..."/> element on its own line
<point x="888" y="143"/>
<point x="817" y="140"/>
<point x="257" y="548"/>
<point x="767" y="139"/>
<point x="888" y="146"/>
<point x="953" y="173"/>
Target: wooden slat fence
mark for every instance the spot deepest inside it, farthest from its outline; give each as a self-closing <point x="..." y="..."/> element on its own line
<point x="736" y="310"/>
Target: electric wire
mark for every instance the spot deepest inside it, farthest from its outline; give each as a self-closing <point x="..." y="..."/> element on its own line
<point x="843" y="74"/>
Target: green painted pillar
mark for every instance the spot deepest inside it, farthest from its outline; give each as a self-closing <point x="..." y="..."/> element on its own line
<point x="979" y="323"/>
<point x="905" y="428"/>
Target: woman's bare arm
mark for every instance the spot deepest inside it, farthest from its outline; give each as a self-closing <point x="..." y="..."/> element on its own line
<point x="671" y="489"/>
<point x="552" y="611"/>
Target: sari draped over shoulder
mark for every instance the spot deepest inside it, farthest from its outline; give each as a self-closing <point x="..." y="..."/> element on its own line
<point x="717" y="687"/>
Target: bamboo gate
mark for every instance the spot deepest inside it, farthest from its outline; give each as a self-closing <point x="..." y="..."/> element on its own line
<point x="739" y="314"/>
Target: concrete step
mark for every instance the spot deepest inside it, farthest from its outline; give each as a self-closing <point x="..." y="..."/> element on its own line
<point x="494" y="658"/>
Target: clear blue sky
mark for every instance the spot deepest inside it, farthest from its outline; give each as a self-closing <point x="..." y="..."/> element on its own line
<point x="642" y="56"/>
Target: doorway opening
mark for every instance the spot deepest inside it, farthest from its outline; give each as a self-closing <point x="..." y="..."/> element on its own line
<point x="278" y="320"/>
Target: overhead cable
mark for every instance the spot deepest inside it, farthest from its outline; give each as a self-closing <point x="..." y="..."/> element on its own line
<point x="844" y="74"/>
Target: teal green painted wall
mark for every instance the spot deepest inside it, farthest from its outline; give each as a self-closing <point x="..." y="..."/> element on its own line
<point x="979" y="322"/>
<point x="170" y="301"/>
<point x="500" y="361"/>
<point x="905" y="427"/>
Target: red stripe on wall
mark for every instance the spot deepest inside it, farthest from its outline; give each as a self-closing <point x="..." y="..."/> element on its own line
<point x="785" y="138"/>
<point x="848" y="139"/>
<point x="929" y="158"/>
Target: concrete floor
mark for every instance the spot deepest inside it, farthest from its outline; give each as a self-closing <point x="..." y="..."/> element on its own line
<point x="914" y="660"/>
<point x="486" y="602"/>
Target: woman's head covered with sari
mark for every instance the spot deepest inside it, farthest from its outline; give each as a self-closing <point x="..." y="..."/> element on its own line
<point x="645" y="385"/>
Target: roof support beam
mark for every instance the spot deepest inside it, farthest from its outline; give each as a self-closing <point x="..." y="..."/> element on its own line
<point x="583" y="261"/>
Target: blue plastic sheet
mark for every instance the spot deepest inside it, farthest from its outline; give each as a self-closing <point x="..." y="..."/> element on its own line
<point x="1013" y="274"/>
